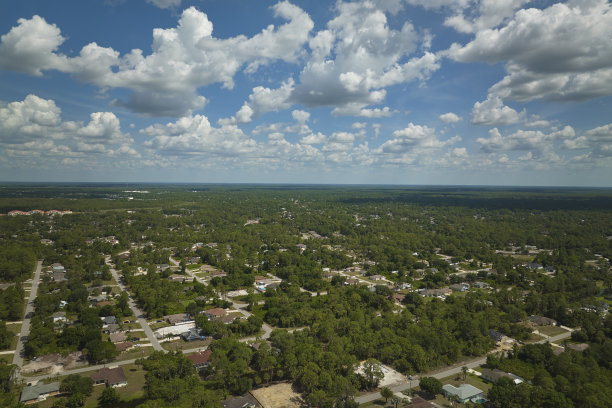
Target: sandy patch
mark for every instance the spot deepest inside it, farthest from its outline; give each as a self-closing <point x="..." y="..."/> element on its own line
<point x="278" y="396"/>
<point x="391" y="377"/>
<point x="55" y="363"/>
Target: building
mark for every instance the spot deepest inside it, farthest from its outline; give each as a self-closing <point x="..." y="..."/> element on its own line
<point x="496" y="374"/>
<point x="216" y="312"/>
<point x="118" y="337"/>
<point x="542" y="321"/>
<point x="495" y="335"/>
<point x="245" y="401"/>
<point x="193" y="334"/>
<point x="124" y="346"/>
<point x="463" y="393"/>
<point x="108" y="320"/>
<point x="460" y="287"/>
<point x="418" y="402"/>
<point x="200" y="360"/>
<point x="39" y="392"/>
<point x="177" y="318"/>
<point x="112" y="377"/>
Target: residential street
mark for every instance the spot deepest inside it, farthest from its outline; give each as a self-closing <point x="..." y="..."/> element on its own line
<point x="453" y="370"/>
<point x="29" y="311"/>
<point x="137" y="312"/>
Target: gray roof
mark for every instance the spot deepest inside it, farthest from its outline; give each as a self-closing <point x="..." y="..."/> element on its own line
<point x="464" y="391"/>
<point x="34" y="391"/>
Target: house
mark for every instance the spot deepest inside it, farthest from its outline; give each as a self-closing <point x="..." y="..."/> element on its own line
<point x="59" y="317"/>
<point x="418" y="402"/>
<point x="533" y="265"/>
<point x="435" y="292"/>
<point x="463" y="393"/>
<point x="227" y="319"/>
<point x="200" y="360"/>
<point x="216" y="312"/>
<point x="124" y="346"/>
<point x="481" y="285"/>
<point x="177" y="318"/>
<point x="177" y="278"/>
<point x="218" y="274"/>
<point x="398" y="297"/>
<point x="112" y="377"/>
<point x="193" y="260"/>
<point x="57" y="267"/>
<point x="111" y="328"/>
<point x="542" y="321"/>
<point x="352" y="281"/>
<point x="107" y="320"/>
<point x="118" y="337"/>
<point x="245" y="401"/>
<point x="495" y="335"/>
<point x="377" y="277"/>
<point x="38" y="392"/>
<point x="59" y="276"/>
<point x="192" y="334"/>
<point x="162" y="267"/>
<point x="460" y="287"/>
<point x="496" y="374"/>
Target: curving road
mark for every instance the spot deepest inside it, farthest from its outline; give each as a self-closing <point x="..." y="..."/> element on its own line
<point x="29" y="311"/>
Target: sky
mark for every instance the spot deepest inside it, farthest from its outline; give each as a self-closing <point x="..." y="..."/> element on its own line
<point x="450" y="92"/>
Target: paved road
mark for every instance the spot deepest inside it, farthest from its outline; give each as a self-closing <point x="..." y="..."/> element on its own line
<point x="238" y="306"/>
<point x="137" y="312"/>
<point x="29" y="311"/>
<point x="454" y="370"/>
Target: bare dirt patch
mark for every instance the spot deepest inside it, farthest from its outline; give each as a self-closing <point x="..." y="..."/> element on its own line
<point x="278" y="396"/>
<point x="55" y="363"/>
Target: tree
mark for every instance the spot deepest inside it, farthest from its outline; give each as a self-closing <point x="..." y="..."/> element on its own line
<point x="109" y="398"/>
<point x="431" y="385"/>
<point x="75" y="384"/>
<point x="386" y="393"/>
<point x="372" y="372"/>
<point x="464" y="370"/>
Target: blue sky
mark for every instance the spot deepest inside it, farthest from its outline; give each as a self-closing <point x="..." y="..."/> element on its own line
<point x="500" y="92"/>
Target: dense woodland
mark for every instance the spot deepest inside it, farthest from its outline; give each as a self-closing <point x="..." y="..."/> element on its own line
<point x="399" y="233"/>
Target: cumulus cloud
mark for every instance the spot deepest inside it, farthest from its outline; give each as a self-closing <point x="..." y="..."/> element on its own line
<point x="561" y="52"/>
<point x="165" y="3"/>
<point x="356" y="57"/>
<point x="493" y="112"/>
<point x="450" y="117"/>
<point x="597" y="140"/>
<point x="194" y="135"/>
<point x="486" y="14"/>
<point x="165" y="82"/>
<point x="533" y="141"/>
<point x="34" y="128"/>
<point x="300" y="116"/>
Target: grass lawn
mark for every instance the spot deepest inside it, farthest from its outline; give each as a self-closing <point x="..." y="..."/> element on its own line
<point x="471" y="379"/>
<point x="551" y="330"/>
<point x="7" y="357"/>
<point x="131" y="395"/>
<point x="182" y="345"/>
<point x="15" y="329"/>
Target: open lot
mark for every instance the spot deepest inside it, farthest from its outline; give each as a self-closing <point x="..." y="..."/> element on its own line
<point x="278" y="396"/>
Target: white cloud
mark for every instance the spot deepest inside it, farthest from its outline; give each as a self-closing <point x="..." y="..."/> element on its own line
<point x="489" y="14"/>
<point x="533" y="141"/>
<point x="31" y="47"/>
<point x="356" y="57"/>
<point x="493" y="112"/>
<point x="597" y="140"/>
<point x="412" y="144"/>
<point x="561" y="52"/>
<point x="184" y="58"/>
<point x="313" y="138"/>
<point x="450" y="117"/>
<point x="300" y="116"/>
<point x="194" y="135"/>
<point x="165" y="3"/>
<point x="34" y="128"/>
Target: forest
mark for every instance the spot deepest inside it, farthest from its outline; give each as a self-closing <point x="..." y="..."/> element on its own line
<point x="315" y="239"/>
